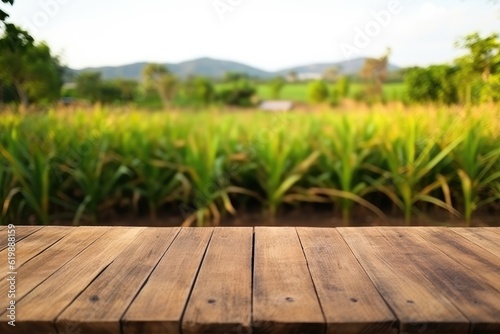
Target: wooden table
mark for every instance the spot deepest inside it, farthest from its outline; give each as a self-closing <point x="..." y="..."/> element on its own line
<point x="262" y="280"/>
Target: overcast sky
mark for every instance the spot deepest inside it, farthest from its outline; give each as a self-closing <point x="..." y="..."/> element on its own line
<point x="269" y="34"/>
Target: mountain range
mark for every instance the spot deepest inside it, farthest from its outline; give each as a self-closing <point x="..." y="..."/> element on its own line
<point x="215" y="68"/>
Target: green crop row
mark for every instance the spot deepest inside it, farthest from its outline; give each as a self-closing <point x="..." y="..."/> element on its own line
<point x="78" y="166"/>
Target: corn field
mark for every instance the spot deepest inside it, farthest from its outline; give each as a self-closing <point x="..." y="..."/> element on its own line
<point x="82" y="165"/>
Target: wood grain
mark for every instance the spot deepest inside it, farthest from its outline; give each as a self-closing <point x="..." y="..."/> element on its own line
<point x="31" y="274"/>
<point x="221" y="298"/>
<point x="284" y="296"/>
<point x="474" y="257"/>
<point x="478" y="301"/>
<point x="174" y="277"/>
<point x="481" y="237"/>
<point x="419" y="305"/>
<point x="21" y="233"/>
<point x="31" y="246"/>
<point x="262" y="280"/>
<point x="100" y="307"/>
<point x="349" y="300"/>
<point x="38" y="310"/>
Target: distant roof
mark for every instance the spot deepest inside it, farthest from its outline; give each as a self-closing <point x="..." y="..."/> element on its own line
<point x="276" y="105"/>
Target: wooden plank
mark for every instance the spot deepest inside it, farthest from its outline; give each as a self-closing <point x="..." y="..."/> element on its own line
<point x="349" y="300"/>
<point x="31" y="246"/>
<point x="284" y="298"/>
<point x="153" y="312"/>
<point x="493" y="229"/>
<point x="221" y="300"/>
<point x="21" y="233"/>
<point x="99" y="308"/>
<point x="31" y="274"/>
<point x="465" y="252"/>
<point x="418" y="304"/>
<point x="36" y="316"/>
<point x="478" y="301"/>
<point x="484" y="238"/>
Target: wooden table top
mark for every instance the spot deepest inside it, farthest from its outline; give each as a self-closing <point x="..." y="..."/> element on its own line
<point x="79" y="280"/>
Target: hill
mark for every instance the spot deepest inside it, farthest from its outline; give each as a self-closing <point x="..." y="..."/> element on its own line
<point x="215" y="68"/>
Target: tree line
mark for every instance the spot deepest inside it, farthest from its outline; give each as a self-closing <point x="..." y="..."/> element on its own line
<point x="31" y="74"/>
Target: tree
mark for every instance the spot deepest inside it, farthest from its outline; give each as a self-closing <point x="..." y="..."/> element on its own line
<point x="235" y="76"/>
<point x="199" y="90"/>
<point x="88" y="86"/>
<point x="317" y="91"/>
<point x="343" y="86"/>
<point x="477" y="66"/>
<point x="276" y="85"/>
<point x="4" y="15"/>
<point x="29" y="67"/>
<point x="491" y="91"/>
<point x="484" y="53"/>
<point x="238" y="93"/>
<point x="128" y="89"/>
<point x="158" y="78"/>
<point x="375" y="73"/>
<point x="437" y="83"/>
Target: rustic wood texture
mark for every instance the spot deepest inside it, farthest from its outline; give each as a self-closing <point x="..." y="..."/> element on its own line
<point x="31" y="274"/>
<point x="221" y="298"/>
<point x="477" y="300"/>
<point x="254" y="280"/>
<point x="350" y="301"/>
<point x="419" y="305"/>
<point x="153" y="312"/>
<point x="60" y="289"/>
<point x="31" y="246"/>
<point x="106" y="299"/>
<point x="481" y="237"/>
<point x="284" y="296"/>
<point x="21" y="233"/>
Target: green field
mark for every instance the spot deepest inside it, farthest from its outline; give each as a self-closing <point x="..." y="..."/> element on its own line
<point x="87" y="165"/>
<point x="298" y="91"/>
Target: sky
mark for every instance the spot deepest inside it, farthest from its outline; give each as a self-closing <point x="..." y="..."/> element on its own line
<point x="268" y="34"/>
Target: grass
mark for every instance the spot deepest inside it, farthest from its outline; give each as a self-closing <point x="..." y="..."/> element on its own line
<point x="298" y="91"/>
<point x="85" y="165"/>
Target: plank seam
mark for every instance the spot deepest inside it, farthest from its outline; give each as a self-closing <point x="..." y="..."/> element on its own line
<point x="312" y="280"/>
<point x="421" y="271"/>
<point x="18" y="239"/>
<point x="83" y="249"/>
<point x="194" y="281"/>
<point x="474" y="242"/>
<point x="91" y="281"/>
<point x="397" y="323"/>
<point x="121" y="322"/>
<point x="252" y="282"/>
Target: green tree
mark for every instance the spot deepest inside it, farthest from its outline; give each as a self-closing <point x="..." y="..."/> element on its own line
<point x="88" y="86"/>
<point x="4" y="15"/>
<point x="238" y="93"/>
<point x="276" y="85"/>
<point x="436" y="83"/>
<point x="343" y="86"/>
<point x="199" y="90"/>
<point x="483" y="53"/>
<point x="128" y="89"/>
<point x="317" y="91"/>
<point x="110" y="92"/>
<point x="157" y="77"/>
<point x="30" y="68"/>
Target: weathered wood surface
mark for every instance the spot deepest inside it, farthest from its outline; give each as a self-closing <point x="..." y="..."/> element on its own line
<point x="253" y="280"/>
